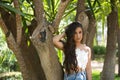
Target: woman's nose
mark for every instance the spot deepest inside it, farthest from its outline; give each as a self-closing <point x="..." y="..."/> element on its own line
<point x="78" y="35"/>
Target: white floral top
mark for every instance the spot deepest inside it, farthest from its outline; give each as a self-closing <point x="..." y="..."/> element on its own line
<point x="82" y="58"/>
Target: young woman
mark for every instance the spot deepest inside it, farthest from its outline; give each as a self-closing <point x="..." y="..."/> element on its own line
<point x="77" y="62"/>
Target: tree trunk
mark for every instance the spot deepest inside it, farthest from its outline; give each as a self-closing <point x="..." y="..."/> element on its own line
<point x="118" y="40"/>
<point x="109" y="63"/>
<point x="42" y="40"/>
<point x="91" y="32"/>
<point x="32" y="60"/>
<point x="82" y="17"/>
<point x="48" y="57"/>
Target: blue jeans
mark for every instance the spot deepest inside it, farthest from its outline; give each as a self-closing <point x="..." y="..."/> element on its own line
<point x="75" y="76"/>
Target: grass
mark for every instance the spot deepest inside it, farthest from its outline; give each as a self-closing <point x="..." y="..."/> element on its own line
<point x="96" y="75"/>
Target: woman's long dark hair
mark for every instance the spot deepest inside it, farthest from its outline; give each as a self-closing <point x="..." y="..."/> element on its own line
<point x="70" y="62"/>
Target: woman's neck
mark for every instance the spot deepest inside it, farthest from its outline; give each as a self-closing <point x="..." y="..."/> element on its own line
<point x="78" y="44"/>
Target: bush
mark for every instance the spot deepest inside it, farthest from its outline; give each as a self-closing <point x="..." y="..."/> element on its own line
<point x="99" y="50"/>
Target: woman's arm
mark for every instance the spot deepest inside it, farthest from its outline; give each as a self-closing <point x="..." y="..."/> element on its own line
<point x="88" y="67"/>
<point x="56" y="41"/>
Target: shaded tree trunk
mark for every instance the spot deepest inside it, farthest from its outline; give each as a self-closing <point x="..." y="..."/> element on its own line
<point x="118" y="40"/>
<point x="91" y="32"/>
<point x="109" y="63"/>
<point x="48" y="58"/>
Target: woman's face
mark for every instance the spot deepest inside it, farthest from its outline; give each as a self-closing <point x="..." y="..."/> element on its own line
<point x="78" y="35"/>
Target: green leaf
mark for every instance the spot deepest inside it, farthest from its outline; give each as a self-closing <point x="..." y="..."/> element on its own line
<point x="56" y="4"/>
<point x="60" y="55"/>
<point x="10" y="8"/>
<point x="69" y="12"/>
<point x="12" y="58"/>
<point x="29" y="1"/>
<point x="7" y="1"/>
<point x="91" y="8"/>
<point x="48" y="3"/>
<point x="98" y="3"/>
<point x="94" y="3"/>
<point x="53" y="7"/>
<point x="119" y="15"/>
<point x="3" y="59"/>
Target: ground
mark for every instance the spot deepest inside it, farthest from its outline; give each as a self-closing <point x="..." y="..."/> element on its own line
<point x="97" y="65"/>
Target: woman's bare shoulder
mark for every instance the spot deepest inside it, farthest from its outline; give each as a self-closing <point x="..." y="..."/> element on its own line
<point x="87" y="48"/>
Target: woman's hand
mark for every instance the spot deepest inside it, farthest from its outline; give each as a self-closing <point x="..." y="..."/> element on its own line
<point x="56" y="41"/>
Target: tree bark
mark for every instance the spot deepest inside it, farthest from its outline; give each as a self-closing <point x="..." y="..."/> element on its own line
<point x="39" y="16"/>
<point x="109" y="63"/>
<point x="91" y="32"/>
<point x="118" y="40"/>
<point x="48" y="58"/>
<point x="18" y="23"/>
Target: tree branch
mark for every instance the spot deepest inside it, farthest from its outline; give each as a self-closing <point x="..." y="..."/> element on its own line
<point x="15" y="48"/>
<point x="8" y="19"/>
<point x="18" y="23"/>
<point x="39" y="14"/>
<point x="61" y="10"/>
<point x="3" y="26"/>
<point x="39" y="10"/>
<point x="32" y="26"/>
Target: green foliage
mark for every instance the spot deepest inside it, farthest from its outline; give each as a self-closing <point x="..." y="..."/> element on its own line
<point x="102" y="10"/>
<point x="69" y="15"/>
<point x="70" y="11"/>
<point x="15" y="77"/>
<point x="118" y="6"/>
<point x="117" y="77"/>
<point x="50" y="7"/>
<point x="99" y="50"/>
<point x="60" y="55"/>
<point x="10" y="8"/>
<point x="91" y="7"/>
<point x="8" y="62"/>
<point x="95" y="75"/>
<point x="27" y="8"/>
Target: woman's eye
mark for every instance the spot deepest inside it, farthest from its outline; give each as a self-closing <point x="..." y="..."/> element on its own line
<point x="80" y="32"/>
